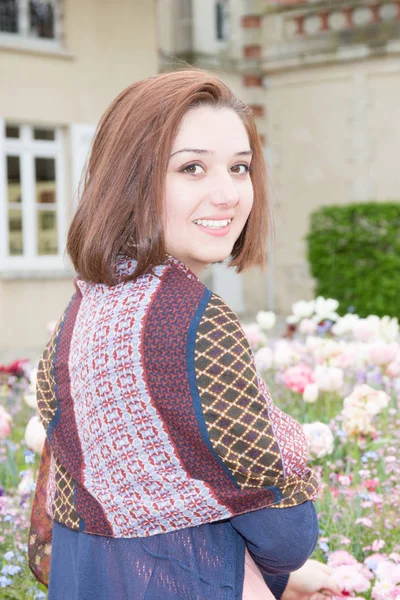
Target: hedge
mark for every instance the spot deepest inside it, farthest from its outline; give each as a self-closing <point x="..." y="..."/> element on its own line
<point x="354" y="256"/>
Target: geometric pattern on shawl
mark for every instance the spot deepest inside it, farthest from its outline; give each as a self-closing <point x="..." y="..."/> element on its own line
<point x="237" y="411"/>
<point x="63" y="504"/>
<point x="63" y="509"/>
<point x="50" y="474"/>
<point x="46" y="384"/>
<point x="41" y="525"/>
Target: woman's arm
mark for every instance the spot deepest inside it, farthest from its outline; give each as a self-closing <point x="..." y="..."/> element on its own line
<point x="279" y="541"/>
<point x="263" y="449"/>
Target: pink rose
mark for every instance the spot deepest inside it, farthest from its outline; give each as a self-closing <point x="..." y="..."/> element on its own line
<point x="254" y="334"/>
<point x="382" y="353"/>
<point x="338" y="558"/>
<point x="377" y="545"/>
<point x="298" y="377"/>
<point x="365" y="329"/>
<point x="393" y="369"/>
<point x="385" y="590"/>
<point x="386" y="570"/>
<point x="5" y="420"/>
<point x="350" y="579"/>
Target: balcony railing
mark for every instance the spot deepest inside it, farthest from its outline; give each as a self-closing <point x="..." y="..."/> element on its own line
<point x="308" y="31"/>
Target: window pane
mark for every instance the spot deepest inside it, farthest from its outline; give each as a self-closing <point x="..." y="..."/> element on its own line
<point x="11" y="130"/>
<point x="47" y="232"/>
<point x="8" y="16"/>
<point x="219" y="21"/>
<point x="13" y="179"/>
<point x="45" y="170"/>
<point x="15" y="244"/>
<point x="41" y="19"/>
<point x="44" y="134"/>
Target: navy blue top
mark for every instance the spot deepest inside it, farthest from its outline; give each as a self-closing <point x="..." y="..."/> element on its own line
<point x="199" y="563"/>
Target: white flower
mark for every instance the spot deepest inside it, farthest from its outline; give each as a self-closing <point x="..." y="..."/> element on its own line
<point x="31" y="400"/>
<point x="326" y="349"/>
<point x="365" y="397"/>
<point x="356" y="420"/>
<point x="266" y="319"/>
<point x="51" y="325"/>
<point x="389" y="328"/>
<point x="381" y="353"/>
<point x="27" y="483"/>
<point x="301" y="310"/>
<point x="33" y="379"/>
<point x="353" y="355"/>
<point x="319" y="438"/>
<point x="345" y="324"/>
<point x="310" y="394"/>
<point x="35" y="434"/>
<point x="325" y="309"/>
<point x="264" y="358"/>
<point x="307" y="327"/>
<point x="254" y="334"/>
<point x="30" y="396"/>
<point x="285" y="354"/>
<point x="328" y="379"/>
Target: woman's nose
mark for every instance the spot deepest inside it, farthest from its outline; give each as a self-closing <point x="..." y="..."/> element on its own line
<point x="225" y="192"/>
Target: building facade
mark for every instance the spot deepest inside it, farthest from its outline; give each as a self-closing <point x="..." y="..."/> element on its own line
<point x="61" y="63"/>
<point x="323" y="80"/>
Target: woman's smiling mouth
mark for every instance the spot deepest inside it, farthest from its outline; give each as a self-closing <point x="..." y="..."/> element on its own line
<point x="217" y="227"/>
<point x="213" y="223"/>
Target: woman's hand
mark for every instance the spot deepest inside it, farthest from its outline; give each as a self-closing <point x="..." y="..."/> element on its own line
<point x="254" y="586"/>
<point x="313" y="581"/>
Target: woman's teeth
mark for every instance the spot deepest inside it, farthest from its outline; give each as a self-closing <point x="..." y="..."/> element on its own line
<point x="213" y="224"/>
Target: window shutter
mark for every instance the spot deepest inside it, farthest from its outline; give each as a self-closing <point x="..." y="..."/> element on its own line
<point x="81" y="143"/>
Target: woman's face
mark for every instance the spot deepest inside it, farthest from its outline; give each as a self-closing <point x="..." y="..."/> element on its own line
<point x="209" y="193"/>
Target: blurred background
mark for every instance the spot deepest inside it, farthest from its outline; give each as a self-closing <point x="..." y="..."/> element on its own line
<point x="323" y="81"/>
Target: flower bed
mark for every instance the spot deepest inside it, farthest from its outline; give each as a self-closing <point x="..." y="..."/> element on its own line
<point x="18" y="466"/>
<point x="340" y="377"/>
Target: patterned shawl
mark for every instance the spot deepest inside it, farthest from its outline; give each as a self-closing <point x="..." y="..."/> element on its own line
<point x="156" y="418"/>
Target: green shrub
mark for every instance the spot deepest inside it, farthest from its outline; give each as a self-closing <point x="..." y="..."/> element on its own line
<point x="354" y="256"/>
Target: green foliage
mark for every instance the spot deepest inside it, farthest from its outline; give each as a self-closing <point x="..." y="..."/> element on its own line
<point x="354" y="256"/>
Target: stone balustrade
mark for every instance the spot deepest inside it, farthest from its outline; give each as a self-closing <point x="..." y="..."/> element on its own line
<point x="308" y="30"/>
<point x="313" y="20"/>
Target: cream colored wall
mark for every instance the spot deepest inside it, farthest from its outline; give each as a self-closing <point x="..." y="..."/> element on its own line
<point x="26" y="307"/>
<point x="334" y="137"/>
<point x="106" y="48"/>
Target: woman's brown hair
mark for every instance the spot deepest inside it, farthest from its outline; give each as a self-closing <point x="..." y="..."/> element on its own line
<point x="121" y="209"/>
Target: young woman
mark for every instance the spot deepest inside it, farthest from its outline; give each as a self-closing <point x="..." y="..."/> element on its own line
<point x="165" y="456"/>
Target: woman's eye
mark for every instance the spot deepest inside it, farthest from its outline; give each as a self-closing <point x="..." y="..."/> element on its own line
<point x="193" y="169"/>
<point x="240" y="169"/>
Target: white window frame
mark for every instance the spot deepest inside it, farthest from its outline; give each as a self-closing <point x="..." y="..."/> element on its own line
<point x="28" y="149"/>
<point x="24" y="39"/>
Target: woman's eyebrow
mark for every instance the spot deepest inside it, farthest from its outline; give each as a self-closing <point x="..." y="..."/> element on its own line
<point x="201" y="151"/>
